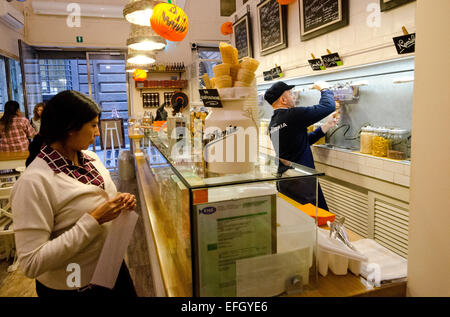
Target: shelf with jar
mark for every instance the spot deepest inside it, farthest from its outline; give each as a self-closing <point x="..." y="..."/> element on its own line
<point x="167" y="68"/>
<point x="162" y="84"/>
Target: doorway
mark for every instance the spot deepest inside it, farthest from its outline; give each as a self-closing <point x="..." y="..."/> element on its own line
<point x="99" y="75"/>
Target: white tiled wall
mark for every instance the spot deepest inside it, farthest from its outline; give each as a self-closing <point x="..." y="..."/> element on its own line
<point x="361" y="42"/>
<point x="397" y="172"/>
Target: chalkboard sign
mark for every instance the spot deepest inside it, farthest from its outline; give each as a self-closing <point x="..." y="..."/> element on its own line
<point x="243" y="37"/>
<point x="386" y="5"/>
<point x="318" y="17"/>
<point x="332" y="60"/>
<point x="272" y="24"/>
<point x="316" y="64"/>
<point x="405" y="44"/>
<point x="210" y="98"/>
<point x="268" y="75"/>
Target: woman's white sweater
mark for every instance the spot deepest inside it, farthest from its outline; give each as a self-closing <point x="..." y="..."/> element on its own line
<point x="52" y="224"/>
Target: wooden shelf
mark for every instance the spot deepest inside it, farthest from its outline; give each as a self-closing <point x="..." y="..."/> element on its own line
<point x="166" y="71"/>
<point x="168" y="88"/>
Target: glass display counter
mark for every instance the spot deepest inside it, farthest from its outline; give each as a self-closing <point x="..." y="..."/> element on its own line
<point x="226" y="234"/>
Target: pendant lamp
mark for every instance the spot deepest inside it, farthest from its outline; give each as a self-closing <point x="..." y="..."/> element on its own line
<point x="140" y="57"/>
<point x="139" y="11"/>
<point x="129" y="68"/>
<point x="143" y="38"/>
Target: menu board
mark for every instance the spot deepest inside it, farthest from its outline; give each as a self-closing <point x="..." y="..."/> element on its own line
<point x="318" y="17"/>
<point x="243" y="37"/>
<point x="272" y="26"/>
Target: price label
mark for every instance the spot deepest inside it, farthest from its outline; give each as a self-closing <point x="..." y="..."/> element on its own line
<point x="210" y="98"/>
<point x="332" y="60"/>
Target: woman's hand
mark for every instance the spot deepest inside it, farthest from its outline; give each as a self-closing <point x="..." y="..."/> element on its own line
<point x="111" y="209"/>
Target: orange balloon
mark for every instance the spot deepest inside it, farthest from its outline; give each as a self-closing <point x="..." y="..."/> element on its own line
<point x="139" y="75"/>
<point x="169" y="21"/>
<point x="284" y="2"/>
<point x="226" y="28"/>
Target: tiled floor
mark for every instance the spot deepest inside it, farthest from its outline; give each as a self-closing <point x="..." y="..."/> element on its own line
<point x="16" y="284"/>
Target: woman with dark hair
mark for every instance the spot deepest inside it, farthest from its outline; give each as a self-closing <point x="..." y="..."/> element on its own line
<point x="64" y="202"/>
<point x="37" y="114"/>
<point x="15" y="131"/>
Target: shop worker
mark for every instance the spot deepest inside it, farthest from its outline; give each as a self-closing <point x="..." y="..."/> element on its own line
<point x="64" y="202"/>
<point x="290" y="139"/>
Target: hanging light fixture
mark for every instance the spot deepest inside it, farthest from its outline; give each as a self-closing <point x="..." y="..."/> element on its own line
<point x="129" y="68"/>
<point x="143" y="38"/>
<point x="140" y="57"/>
<point x="139" y="11"/>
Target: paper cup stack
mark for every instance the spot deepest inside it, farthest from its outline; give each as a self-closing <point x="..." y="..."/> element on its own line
<point x="231" y="73"/>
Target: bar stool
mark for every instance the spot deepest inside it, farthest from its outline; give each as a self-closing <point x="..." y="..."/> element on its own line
<point x="109" y="131"/>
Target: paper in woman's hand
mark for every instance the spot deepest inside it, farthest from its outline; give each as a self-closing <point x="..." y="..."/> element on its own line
<point x="114" y="249"/>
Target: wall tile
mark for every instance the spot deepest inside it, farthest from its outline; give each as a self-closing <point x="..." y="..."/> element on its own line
<point x="366" y="170"/>
<point x="384" y="175"/>
<point x="374" y="162"/>
<point x="337" y="162"/>
<point x="393" y="167"/>
<point x="354" y="167"/>
<point x="407" y="170"/>
<point x="402" y="180"/>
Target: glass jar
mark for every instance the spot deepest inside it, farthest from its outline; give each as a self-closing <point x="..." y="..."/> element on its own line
<point x="381" y="142"/>
<point x="399" y="144"/>
<point x="366" y="139"/>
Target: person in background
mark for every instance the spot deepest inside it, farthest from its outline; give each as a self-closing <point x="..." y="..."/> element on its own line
<point x="15" y="130"/>
<point x="37" y="113"/>
<point x="288" y="133"/>
<point x="161" y="113"/>
<point x="64" y="202"/>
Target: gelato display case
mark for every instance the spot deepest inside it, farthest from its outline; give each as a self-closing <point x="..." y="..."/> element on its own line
<point x="226" y="234"/>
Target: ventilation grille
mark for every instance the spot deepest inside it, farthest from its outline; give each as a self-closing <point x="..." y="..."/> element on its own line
<point x="391" y="226"/>
<point x="351" y="204"/>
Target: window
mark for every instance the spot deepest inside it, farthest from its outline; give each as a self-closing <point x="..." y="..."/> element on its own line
<point x="208" y="57"/>
<point x="10" y="82"/>
<point x="15" y="75"/>
<point x="3" y="85"/>
<point x="55" y="75"/>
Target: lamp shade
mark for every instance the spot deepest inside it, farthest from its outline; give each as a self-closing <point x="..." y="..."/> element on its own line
<point x="129" y="68"/>
<point x="169" y="21"/>
<point x="140" y="57"/>
<point x="139" y="11"/>
<point x="226" y="28"/>
<point x="143" y="38"/>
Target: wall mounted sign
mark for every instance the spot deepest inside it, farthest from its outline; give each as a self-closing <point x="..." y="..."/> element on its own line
<point x="267" y="75"/>
<point x="277" y="72"/>
<point x="316" y="63"/>
<point x="321" y="17"/>
<point x="272" y="25"/>
<point x="405" y="44"/>
<point x="210" y="98"/>
<point x="332" y="60"/>
<point x="386" y="5"/>
<point x="79" y="39"/>
<point x="243" y="36"/>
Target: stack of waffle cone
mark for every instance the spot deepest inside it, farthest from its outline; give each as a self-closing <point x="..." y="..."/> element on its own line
<point x="232" y="73"/>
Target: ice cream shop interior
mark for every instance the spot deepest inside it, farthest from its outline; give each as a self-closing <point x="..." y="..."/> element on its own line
<point x="224" y="148"/>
